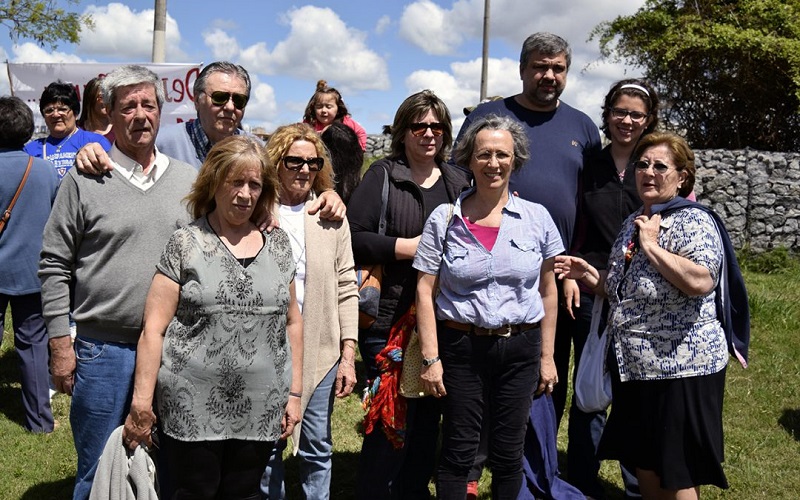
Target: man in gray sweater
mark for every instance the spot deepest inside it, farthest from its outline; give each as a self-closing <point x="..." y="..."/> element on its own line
<point x="103" y="240"/>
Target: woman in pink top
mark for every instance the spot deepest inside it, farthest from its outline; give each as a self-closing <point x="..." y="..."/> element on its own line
<point x="327" y="106"/>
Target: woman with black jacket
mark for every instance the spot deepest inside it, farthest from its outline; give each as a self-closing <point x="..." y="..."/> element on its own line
<point x="419" y="181"/>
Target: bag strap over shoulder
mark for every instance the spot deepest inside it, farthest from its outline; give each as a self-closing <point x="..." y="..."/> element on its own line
<point x="384" y="202"/>
<point x="7" y="212"/>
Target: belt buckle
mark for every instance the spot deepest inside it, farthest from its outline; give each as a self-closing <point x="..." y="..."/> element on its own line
<point x="500" y="331"/>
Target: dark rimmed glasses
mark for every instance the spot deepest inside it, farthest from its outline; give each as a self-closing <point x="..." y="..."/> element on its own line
<point x="620" y="114"/>
<point x="296" y="163"/>
<point x="220" y="98"/>
<point x="658" y="167"/>
<point x="418" y="129"/>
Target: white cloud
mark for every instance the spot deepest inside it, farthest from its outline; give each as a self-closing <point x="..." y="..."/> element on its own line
<point x="127" y="35"/>
<point x="263" y="107"/>
<point x="431" y="28"/>
<point x="321" y="46"/>
<point x="223" y="46"/>
<point x="460" y="87"/>
<point x="438" y="30"/>
<point x="382" y="25"/>
<point x="31" y="52"/>
<point x="511" y="21"/>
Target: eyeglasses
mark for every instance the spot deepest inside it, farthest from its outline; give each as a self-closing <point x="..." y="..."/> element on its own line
<point x="51" y="110"/>
<point x="296" y="163"/>
<point x="502" y="157"/>
<point x="220" y="98"/>
<point x="419" y="129"/>
<point x="636" y="116"/>
<point x="658" y="168"/>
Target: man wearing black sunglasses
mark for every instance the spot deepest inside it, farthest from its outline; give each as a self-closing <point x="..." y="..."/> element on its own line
<point x="221" y="92"/>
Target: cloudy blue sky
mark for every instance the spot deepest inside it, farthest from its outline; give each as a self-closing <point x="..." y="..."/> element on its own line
<point x="375" y="52"/>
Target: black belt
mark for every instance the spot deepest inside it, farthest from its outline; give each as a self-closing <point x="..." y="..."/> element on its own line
<point x="503" y="331"/>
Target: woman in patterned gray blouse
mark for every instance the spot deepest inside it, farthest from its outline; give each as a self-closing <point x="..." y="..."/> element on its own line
<point x="222" y="344"/>
<point x="668" y="348"/>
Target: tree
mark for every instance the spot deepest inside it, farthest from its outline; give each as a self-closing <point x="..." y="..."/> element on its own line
<point x="43" y="21"/>
<point x="728" y="70"/>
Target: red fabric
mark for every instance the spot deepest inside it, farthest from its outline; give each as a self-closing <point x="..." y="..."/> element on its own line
<point x="383" y="402"/>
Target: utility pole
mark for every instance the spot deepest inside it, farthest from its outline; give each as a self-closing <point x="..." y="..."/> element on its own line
<point x="160" y="32"/>
<point x="485" y="60"/>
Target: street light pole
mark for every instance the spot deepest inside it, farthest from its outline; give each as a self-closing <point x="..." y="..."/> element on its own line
<point x="160" y="32"/>
<point x="485" y="59"/>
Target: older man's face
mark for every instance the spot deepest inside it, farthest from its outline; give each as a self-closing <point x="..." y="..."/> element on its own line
<point x="543" y="80"/>
<point x="136" y="118"/>
<point x="220" y="120"/>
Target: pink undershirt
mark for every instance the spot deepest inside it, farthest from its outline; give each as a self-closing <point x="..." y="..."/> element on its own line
<point x="487" y="236"/>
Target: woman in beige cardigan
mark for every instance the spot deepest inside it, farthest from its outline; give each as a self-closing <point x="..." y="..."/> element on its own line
<point x="328" y="298"/>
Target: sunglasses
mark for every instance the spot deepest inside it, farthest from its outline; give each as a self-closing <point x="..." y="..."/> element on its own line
<point x="620" y="114"/>
<point x="296" y="163"/>
<point x="220" y="98"/>
<point x="419" y="129"/>
<point x="658" y="168"/>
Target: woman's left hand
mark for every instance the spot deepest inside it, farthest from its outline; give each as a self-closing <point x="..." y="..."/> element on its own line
<point x="345" y="378"/>
<point x="548" y="376"/>
<point x="291" y="417"/>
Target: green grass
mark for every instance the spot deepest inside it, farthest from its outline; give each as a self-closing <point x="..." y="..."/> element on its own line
<point x="761" y="416"/>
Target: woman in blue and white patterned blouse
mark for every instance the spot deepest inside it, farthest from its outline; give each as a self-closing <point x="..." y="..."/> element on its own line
<point x="669" y="348"/>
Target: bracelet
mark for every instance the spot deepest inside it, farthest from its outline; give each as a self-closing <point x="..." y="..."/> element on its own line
<point x="296" y="394"/>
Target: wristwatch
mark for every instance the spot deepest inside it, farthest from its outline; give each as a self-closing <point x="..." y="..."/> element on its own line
<point x="429" y="362"/>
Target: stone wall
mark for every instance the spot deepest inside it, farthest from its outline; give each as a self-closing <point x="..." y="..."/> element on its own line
<point x="757" y="193"/>
<point x="378" y="145"/>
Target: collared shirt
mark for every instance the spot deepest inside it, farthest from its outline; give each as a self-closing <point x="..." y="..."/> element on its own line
<point x="658" y="331"/>
<point x="134" y="172"/>
<point x="483" y="288"/>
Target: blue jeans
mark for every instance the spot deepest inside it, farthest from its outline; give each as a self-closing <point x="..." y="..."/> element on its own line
<point x="490" y="375"/>
<point x="101" y="400"/>
<point x="30" y="340"/>
<point x="315" y="448"/>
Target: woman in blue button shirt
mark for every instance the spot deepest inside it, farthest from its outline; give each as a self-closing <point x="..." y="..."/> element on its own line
<point x="496" y="310"/>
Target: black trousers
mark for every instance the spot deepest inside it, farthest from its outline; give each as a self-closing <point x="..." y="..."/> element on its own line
<point x="228" y="469"/>
<point x="493" y="376"/>
<point x="384" y="472"/>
